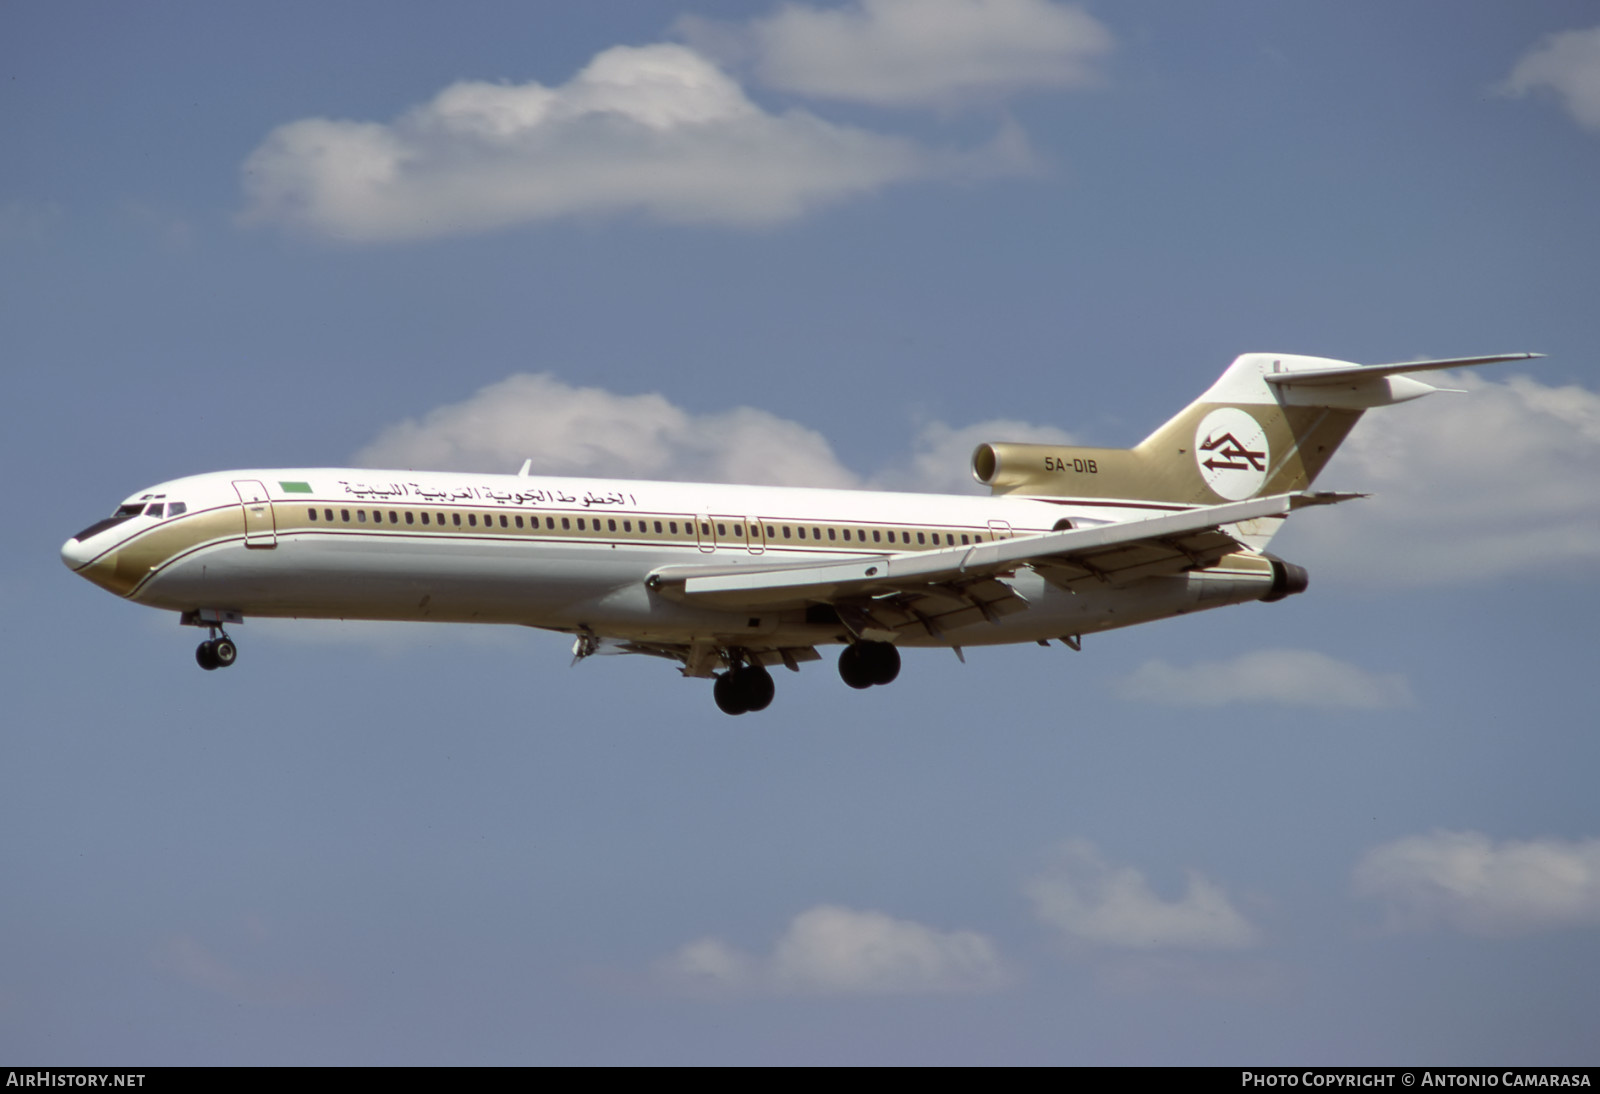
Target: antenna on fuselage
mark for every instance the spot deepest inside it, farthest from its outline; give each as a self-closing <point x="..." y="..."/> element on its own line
<point x="527" y="465"/>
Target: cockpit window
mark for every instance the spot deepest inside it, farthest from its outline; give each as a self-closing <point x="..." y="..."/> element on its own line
<point x="112" y="521"/>
<point x="128" y="510"/>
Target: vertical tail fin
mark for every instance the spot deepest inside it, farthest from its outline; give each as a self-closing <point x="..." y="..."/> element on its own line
<point x="1268" y="425"/>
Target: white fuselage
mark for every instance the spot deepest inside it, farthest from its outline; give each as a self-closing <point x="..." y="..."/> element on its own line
<point x="575" y="554"/>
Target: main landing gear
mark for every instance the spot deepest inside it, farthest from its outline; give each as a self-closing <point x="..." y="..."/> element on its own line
<point x="743" y="688"/>
<point x="216" y="652"/>
<point x="867" y="663"/>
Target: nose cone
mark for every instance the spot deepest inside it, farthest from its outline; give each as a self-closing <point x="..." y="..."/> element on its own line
<point x="74" y="554"/>
<point x="97" y="557"/>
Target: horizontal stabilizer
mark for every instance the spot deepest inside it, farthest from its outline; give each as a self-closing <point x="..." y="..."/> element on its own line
<point x="1320" y="376"/>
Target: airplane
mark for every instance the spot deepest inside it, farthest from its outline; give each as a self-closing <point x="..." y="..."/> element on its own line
<point x="730" y="581"/>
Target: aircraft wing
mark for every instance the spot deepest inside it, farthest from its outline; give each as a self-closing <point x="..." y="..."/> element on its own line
<point x="958" y="585"/>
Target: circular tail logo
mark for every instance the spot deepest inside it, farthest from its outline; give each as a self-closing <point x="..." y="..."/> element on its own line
<point x="1231" y="451"/>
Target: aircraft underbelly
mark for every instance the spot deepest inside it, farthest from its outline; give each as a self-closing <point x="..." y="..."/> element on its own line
<point x="401" y="579"/>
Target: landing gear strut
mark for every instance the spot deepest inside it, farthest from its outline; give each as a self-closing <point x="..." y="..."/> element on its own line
<point x="216" y="652"/>
<point x="743" y="688"/>
<point x="867" y="663"/>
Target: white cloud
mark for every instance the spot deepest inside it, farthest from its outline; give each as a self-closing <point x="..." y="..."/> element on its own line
<point x="1097" y="904"/>
<point x="1466" y="881"/>
<point x="592" y="432"/>
<point x="1292" y="678"/>
<point x="1568" y="64"/>
<point x="656" y="130"/>
<point x="941" y="455"/>
<point x="913" y="52"/>
<point x="829" y="950"/>
<point x="1504" y="479"/>
<point x="588" y="431"/>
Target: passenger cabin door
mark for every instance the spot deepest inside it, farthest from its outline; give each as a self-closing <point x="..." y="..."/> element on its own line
<point x="260" y="527"/>
<point x="702" y="532"/>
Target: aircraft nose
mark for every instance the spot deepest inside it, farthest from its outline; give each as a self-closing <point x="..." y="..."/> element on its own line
<point x="74" y="554"/>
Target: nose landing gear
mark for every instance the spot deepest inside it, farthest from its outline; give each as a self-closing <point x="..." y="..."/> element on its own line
<point x="216" y="653"/>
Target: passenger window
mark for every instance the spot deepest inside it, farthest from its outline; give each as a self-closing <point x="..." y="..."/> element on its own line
<point x="519" y="520"/>
<point x="875" y="536"/>
<point x="627" y="526"/>
<point x="566" y="524"/>
<point x="424" y="518"/>
<point x="581" y="528"/>
<point x="472" y="520"/>
<point x="313" y="513"/>
<point x="327" y="515"/>
<point x="673" y="525"/>
<point x="963" y="539"/>
<point x="705" y="529"/>
<point x="456" y="518"/>
<point x="361" y="516"/>
<point x="410" y="518"/>
<point x="344" y="515"/>
<point x="920" y="538"/>
<point x="802" y="532"/>
<point x="785" y="531"/>
<point x="737" y="531"/>
<point x="722" y="529"/>
<point x="832" y="534"/>
<point x="611" y="525"/>
<point x="846" y="534"/>
<point x="394" y="518"/>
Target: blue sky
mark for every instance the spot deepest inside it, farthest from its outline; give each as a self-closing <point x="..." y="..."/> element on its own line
<point x="834" y="244"/>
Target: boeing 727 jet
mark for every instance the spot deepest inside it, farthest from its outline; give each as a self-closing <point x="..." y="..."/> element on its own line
<point x="731" y="581"/>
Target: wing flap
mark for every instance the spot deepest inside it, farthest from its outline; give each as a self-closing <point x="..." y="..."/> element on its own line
<point x="1127" y="563"/>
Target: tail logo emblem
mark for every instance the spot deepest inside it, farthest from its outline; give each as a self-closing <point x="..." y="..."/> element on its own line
<point x="1232" y="453"/>
<point x="1228" y="448"/>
